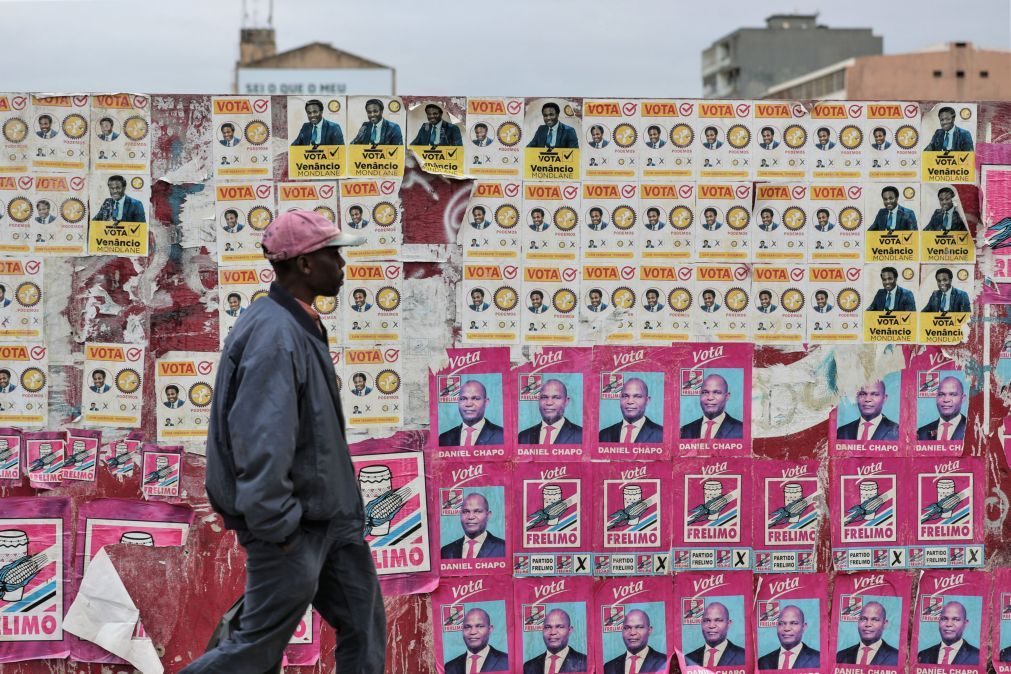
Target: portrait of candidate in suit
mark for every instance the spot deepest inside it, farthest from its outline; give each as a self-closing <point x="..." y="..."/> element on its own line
<point x="880" y="139"/>
<point x="871" y="422"/>
<point x="946" y="298"/>
<point x="769" y="141"/>
<point x="228" y="138"/>
<point x="437" y="132"/>
<point x="119" y="206"/>
<point x="793" y="652"/>
<point x="954" y="647"/>
<point x="951" y="405"/>
<point x="871" y="647"/>
<point x="46" y="130"/>
<point x="638" y="656"/>
<point x="891" y="296"/>
<point x="558" y="654"/>
<point x="480" y="132"/>
<point x="597" y="139"/>
<point x="712" y="141"/>
<point x="945" y="217"/>
<point x="480" y="655"/>
<point x="553" y="133"/>
<point x="824" y="139"/>
<point x="713" y="422"/>
<point x="316" y="130"/>
<point x="376" y="130"/>
<point x="717" y="650"/>
<point x="634" y="401"/>
<point x="892" y="216"/>
<point x="477" y="542"/>
<point x="105" y="130"/>
<point x="949" y="137"/>
<point x="474" y="428"/>
<point x="655" y="141"/>
<point x="553" y="427"/>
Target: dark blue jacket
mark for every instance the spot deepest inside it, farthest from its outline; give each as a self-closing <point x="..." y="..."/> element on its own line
<point x="133" y="210"/>
<point x="390" y="134"/>
<point x="961" y="141"/>
<point x="565" y="137"/>
<point x="904" y="300"/>
<point x="330" y="134"/>
<point x="731" y="428"/>
<point x="493" y="547"/>
<point x="905" y="220"/>
<point x="450" y="136"/>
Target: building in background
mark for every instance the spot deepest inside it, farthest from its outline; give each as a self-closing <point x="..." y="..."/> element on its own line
<point x="956" y="71"/>
<point x="749" y="61"/>
<point x="315" y="68"/>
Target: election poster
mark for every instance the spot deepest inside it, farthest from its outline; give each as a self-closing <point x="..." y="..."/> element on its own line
<point x="551" y="219"/>
<point x="893" y="146"/>
<point x="372" y="396"/>
<point x="119" y="207"/>
<point x="949" y="153"/>
<point x="667" y="211"/>
<point x="242" y="211"/>
<point x="893" y="234"/>
<point x="435" y="126"/>
<point x="890" y="317"/>
<point x="723" y="234"/>
<point x="634" y="620"/>
<point x="81" y="455"/>
<point x="161" y="468"/>
<point x="945" y="236"/>
<point x="610" y="216"/>
<point x="632" y="413"/>
<point x="725" y="149"/>
<point x="870" y="522"/>
<point x="836" y="149"/>
<point x="329" y="311"/>
<point x="238" y="287"/>
<point x="490" y="302"/>
<point x="611" y="129"/>
<point x="17" y="214"/>
<point x="476" y="512"/>
<point x="316" y="137"/>
<point x="44" y="453"/>
<point x="113" y="521"/>
<point x="720" y="309"/>
<point x="779" y="314"/>
<point x="938" y="389"/>
<point x="712" y="530"/>
<point x="24" y="385"/>
<point x="780" y="233"/>
<point x="632" y="519"/>
<point x="663" y="313"/>
<point x="782" y="137"/>
<point x="714" y="612"/>
<point x="22" y="299"/>
<point x="319" y="197"/>
<point x="550" y="303"/>
<point x="372" y="291"/>
<point x="494" y="137"/>
<point x="714" y="400"/>
<point x="396" y="510"/>
<point x="241" y="137"/>
<point x="670" y="134"/>
<point x="872" y="420"/>
<point x="377" y="148"/>
<point x="951" y="622"/>
<point x="834" y="313"/>
<point x="120" y="133"/>
<point x="490" y="230"/>
<point x="60" y="218"/>
<point x="791" y="612"/>
<point x="184" y="388"/>
<point x="949" y="524"/>
<point x="16" y="144"/>
<point x="475" y="625"/>
<point x="787" y="526"/>
<point x="372" y="209"/>
<point x="470" y="404"/>
<point x="111" y="385"/>
<point x="59" y="133"/>
<point x="554" y="625"/>
<point x="10" y="456"/>
<point x="1000" y="615"/>
<point x="945" y="304"/>
<point x="554" y="129"/>
<point x="554" y="385"/>
<point x="35" y="539"/>
<point x="122" y="455"/>
<point x="836" y="233"/>
<point x="870" y="622"/>
<point x="556" y="533"/>
<point x="609" y="308"/>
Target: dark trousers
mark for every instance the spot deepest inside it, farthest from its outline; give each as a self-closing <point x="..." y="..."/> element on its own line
<point x="337" y="577"/>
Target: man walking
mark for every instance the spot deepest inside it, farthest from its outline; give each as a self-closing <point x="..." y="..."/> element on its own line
<point x="279" y="471"/>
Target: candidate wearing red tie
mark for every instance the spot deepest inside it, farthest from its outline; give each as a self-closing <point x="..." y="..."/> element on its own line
<point x="638" y="657"/>
<point x="792" y="653"/>
<point x="950" y="424"/>
<point x="871" y="424"/>
<point x="476" y="429"/>
<point x="477" y="542"/>
<point x="635" y="426"/>
<point x="718" y="650"/>
<point x="872" y="649"/>
<point x="554" y="428"/>
<point x="480" y="655"/>
<point x="953" y="649"/>
<point x="559" y="658"/>
<point x="715" y="423"/>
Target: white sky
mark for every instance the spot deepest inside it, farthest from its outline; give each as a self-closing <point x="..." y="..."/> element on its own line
<point x="478" y="47"/>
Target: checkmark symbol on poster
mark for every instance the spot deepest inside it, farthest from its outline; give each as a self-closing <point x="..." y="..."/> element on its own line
<point x="134" y="230"/>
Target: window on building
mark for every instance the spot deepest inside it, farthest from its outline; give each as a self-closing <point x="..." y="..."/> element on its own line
<point x="984" y="73"/>
<point x="937" y="73"/>
<point x="960" y="74"/>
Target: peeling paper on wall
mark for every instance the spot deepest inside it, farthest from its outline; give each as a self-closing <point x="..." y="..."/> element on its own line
<point x="104" y="613"/>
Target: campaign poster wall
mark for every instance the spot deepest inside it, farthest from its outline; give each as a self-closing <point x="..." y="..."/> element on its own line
<point x="372" y="209"/>
<point x="112" y="385"/>
<point x="557" y="519"/>
<point x="473" y="614"/>
<point x="870" y="522"/>
<point x="714" y="402"/>
<point x="871" y="421"/>
<point x="476" y="515"/>
<point x="634" y="621"/>
<point x="792" y="616"/>
<point x="712" y="530"/>
<point x="555" y="385"/>
<point x="950" y="622"/>
<point x="632" y="523"/>
<point x="24" y="384"/>
<point x="715" y="625"/>
<point x="938" y="389"/>
<point x="554" y="129"/>
<point x="787" y="526"/>
<point x="317" y="129"/>
<point x="553" y="624"/>
<point x="494" y="137"/>
<point x="870" y="622"/>
<point x="242" y="147"/>
<point x="949" y="152"/>
<point x="377" y="149"/>
<point x="491" y="225"/>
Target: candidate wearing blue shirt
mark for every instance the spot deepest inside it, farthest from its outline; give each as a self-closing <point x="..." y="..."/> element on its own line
<point x="318" y="131"/>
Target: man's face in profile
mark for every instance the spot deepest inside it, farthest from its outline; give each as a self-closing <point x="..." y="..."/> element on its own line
<point x="314" y="113"/>
<point x="374" y="113"/>
<point x="474" y="515"/>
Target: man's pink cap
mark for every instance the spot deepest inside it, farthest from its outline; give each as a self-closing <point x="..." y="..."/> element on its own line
<point x="300" y="232"/>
